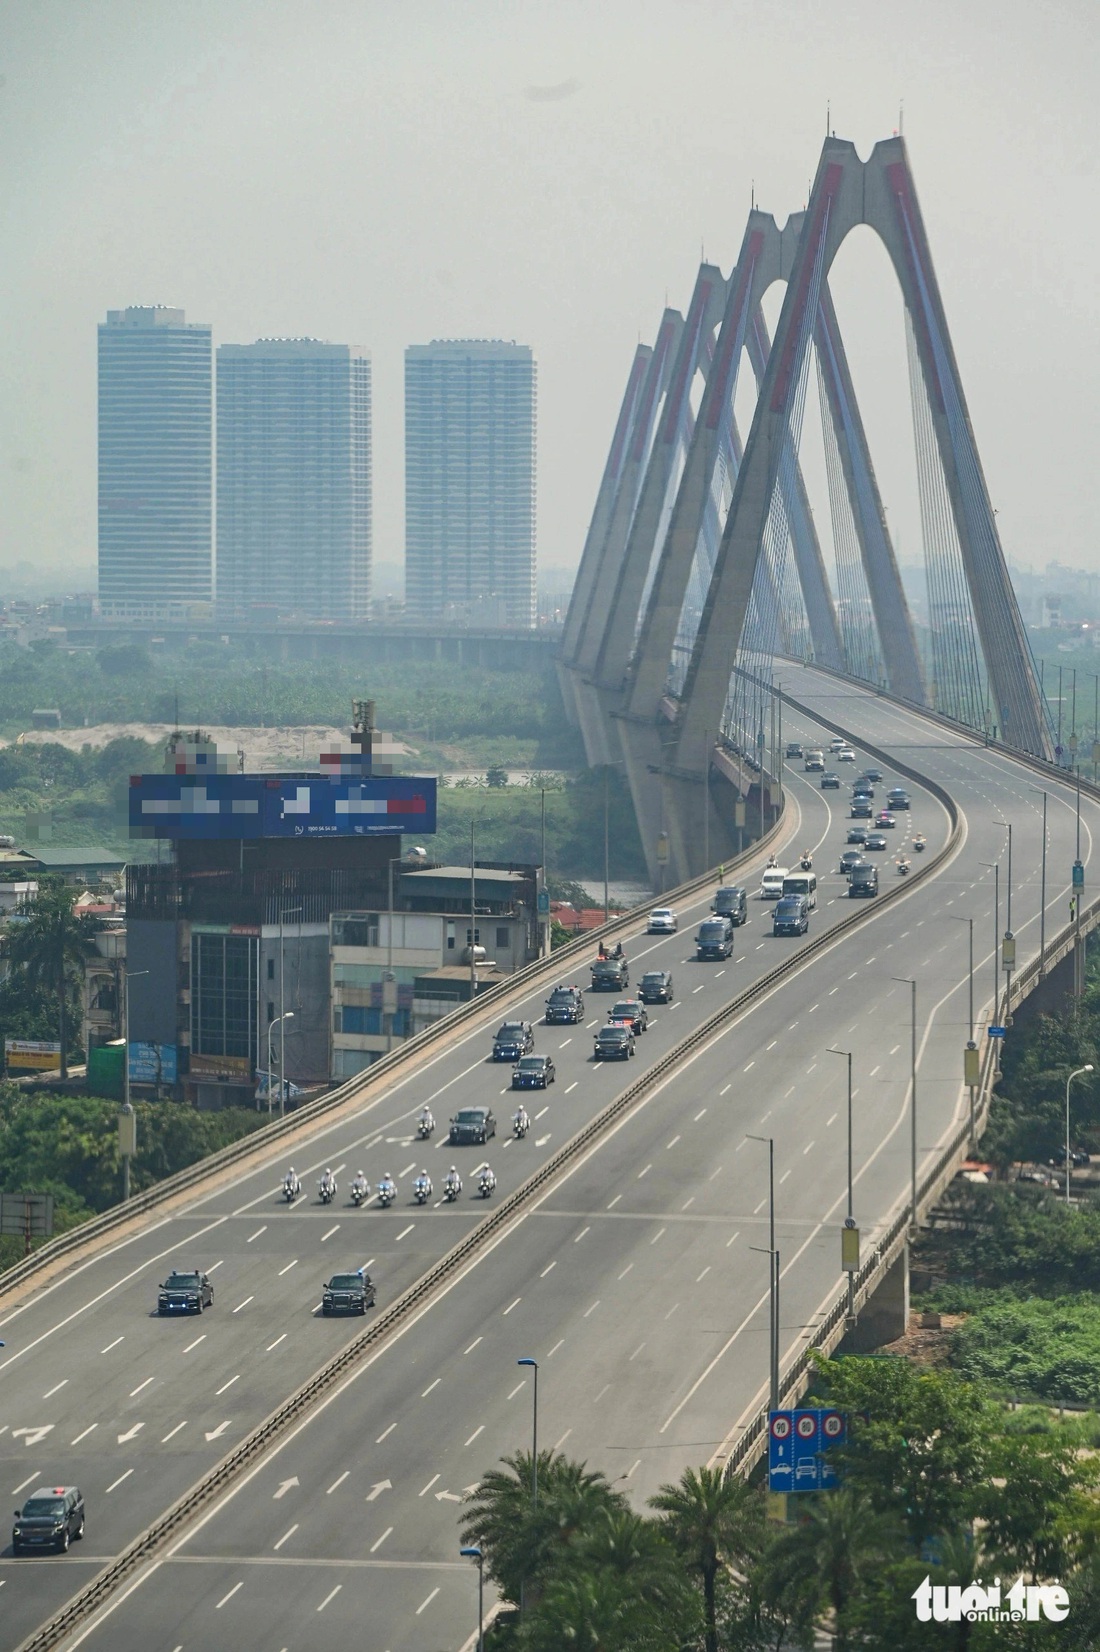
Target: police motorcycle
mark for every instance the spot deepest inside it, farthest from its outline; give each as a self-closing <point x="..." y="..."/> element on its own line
<point x="452" y="1186"/>
<point x="326" y="1188"/>
<point x="292" y="1187"/>
<point x="521" y="1123"/>
<point x="387" y="1191"/>
<point x="360" y="1190"/>
<point x="486" y="1182"/>
<point x="422" y="1188"/>
<point x="425" y="1124"/>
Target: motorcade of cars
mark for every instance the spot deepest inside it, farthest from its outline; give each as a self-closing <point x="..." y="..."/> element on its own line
<point x="794" y="748"/>
<point x="814" y="761"/>
<point x="771" y="884"/>
<point x="715" y="939"/>
<point x="51" y="1518"/>
<point x="610" y="975"/>
<point x="565" y="1006"/>
<point x="655" y="987"/>
<point x="472" y="1125"/>
<point x="791" y="916"/>
<point x="863" y="880"/>
<point x="348" y="1293"/>
<point x="614" y="1042"/>
<point x="804" y="884"/>
<point x="632" y="1013"/>
<point x="662" y="921"/>
<point x="731" y="902"/>
<point x="513" y="1039"/>
<point x="185" y="1293"/>
<point x="830" y="782"/>
<point x="875" y="840"/>
<point x="850" y="858"/>
<point x="898" y="798"/>
<point x="533" y="1072"/>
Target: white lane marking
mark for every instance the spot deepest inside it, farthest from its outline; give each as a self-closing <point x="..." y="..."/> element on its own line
<point x="175" y="1430"/>
<point x="751" y="1064"/>
<point x="512" y="1305"/>
<point x="832" y="990"/>
<point x="806" y="1149"/>
<point x="658" y="1235"/>
<point x="195" y="1344"/>
<point x="644" y="1172"/>
<point x="541" y="1111"/>
<point x="288" y="1267"/>
<point x="700" y="987"/>
<point x="408" y="1168"/>
<point x="704" y="1273"/>
<point x="698" y="1115"/>
<point x="718" y="973"/>
<point x="592" y="1309"/>
<point x="874" y="1070"/>
<point x="225" y="1386"/>
<point x="631" y="1469"/>
<point x="614" y="1201"/>
<point x="542" y="1275"/>
<point x="480" y="1429"/>
<point x="626" y="1270"/>
<point x="227" y="1598"/>
<point x="111" y="1345"/>
<point x="256" y="1235"/>
<point x="276" y="1343"/>
<point x="433" y="1384"/>
<point x="429" y="1486"/>
<point x="85" y="1434"/>
<point x="592" y="1023"/>
<point x="338" y="1482"/>
<point x="555" y="1348"/>
<point x="517" y="1388"/>
<point x="391" y="1428"/>
<point x="476" y="1340"/>
<point x="330" y="1233"/>
<point x="581" y="1235"/>
<point x="56" y="1389"/>
<point x="15" y="1490"/>
<point x="831" y="1121"/>
<point x="214" y="1266"/>
<point x="116" y="1483"/>
<point x="332" y="1594"/>
<point x="572" y="1086"/>
<point x="636" y="1352"/>
<point x="140" y="1386"/>
<point x="377" y="1544"/>
<point x="285" y="1537"/>
<point x="672" y="1310"/>
<point x="567" y="1041"/>
<point x="427" y="1602"/>
<point x="243" y="1304"/>
<point x="714" y="1174"/>
<point x="773" y="1043"/>
<point x="601" y="1393"/>
<point x="783" y="1178"/>
<point x="404" y="1233"/>
<point x="760" y="1206"/>
<point x="688" y="1202"/>
<point x="895" y="1050"/>
<point x="559" y="1443"/>
<point x="722" y="1091"/>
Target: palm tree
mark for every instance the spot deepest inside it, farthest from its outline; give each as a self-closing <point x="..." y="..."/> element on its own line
<point x="712" y="1519"/>
<point x="50" y="948"/>
<point x="619" y="1544"/>
<point x="838" y="1537"/>
<point x="595" y="1611"/>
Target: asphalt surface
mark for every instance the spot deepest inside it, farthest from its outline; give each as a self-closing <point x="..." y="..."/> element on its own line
<point x="633" y="1280"/>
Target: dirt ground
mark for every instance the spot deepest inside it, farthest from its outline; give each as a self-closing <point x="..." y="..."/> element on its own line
<point x="925" y="1344"/>
<point x="264" y="748"/>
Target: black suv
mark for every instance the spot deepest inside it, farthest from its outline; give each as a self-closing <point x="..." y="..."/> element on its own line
<point x="185" y="1293"/>
<point x="614" y="1042"/>
<point x="564" y="1004"/>
<point x="513" y="1039"/>
<point x="533" y="1072"/>
<point x="348" y="1293"/>
<point x="715" y="938"/>
<point x="898" y="798"/>
<point x="472" y="1124"/>
<point x="791" y="916"/>
<point x="731" y="903"/>
<point x="655" y="987"/>
<point x="51" y="1518"/>
<point x="610" y="975"/>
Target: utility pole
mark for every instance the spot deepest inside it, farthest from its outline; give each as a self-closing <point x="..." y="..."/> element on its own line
<point x="473" y="920"/>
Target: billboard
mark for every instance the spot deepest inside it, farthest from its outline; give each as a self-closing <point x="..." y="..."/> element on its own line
<point x="32" y="1054"/>
<point x="223" y="806"/>
<point x="153" y="1063"/>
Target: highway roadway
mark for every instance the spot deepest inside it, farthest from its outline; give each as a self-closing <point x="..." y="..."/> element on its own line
<point x="633" y="1279"/>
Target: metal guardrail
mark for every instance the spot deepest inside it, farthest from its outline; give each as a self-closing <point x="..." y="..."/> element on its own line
<point x="219" y="1479"/>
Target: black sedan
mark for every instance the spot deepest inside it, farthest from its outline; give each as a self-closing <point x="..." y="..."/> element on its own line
<point x="348" y="1293"/>
<point x="513" y="1039"/>
<point x="185" y="1293"/>
<point x="614" y="1042"/>
<point x="873" y="775"/>
<point x="875" y="840"/>
<point x="533" y="1072"/>
<point x="857" y="834"/>
<point x="850" y="858"/>
<point x="830" y="782"/>
<point x="472" y="1125"/>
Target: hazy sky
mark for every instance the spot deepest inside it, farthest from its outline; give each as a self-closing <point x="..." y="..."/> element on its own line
<point x="386" y="173"/>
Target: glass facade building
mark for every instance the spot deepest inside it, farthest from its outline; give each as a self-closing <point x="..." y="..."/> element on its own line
<point x="294" y="479"/>
<point x="470" y="483"/>
<point x="155" y="459"/>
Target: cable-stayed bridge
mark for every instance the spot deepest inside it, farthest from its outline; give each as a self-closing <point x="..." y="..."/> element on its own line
<point x="702" y="561"/>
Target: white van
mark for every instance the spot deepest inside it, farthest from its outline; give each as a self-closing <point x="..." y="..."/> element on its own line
<point x="771" y="884"/>
<point x="802" y="883"/>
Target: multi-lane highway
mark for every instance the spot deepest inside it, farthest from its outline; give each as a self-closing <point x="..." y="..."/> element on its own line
<point x="632" y="1279"/>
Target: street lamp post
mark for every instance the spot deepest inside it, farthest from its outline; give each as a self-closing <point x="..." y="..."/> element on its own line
<point x="995" y="867"/>
<point x="288" y="1015"/>
<point x="534" y="1365"/>
<point x="773" y="1317"/>
<point x="850" y="1220"/>
<point x="1042" y="892"/>
<point x="389" y="987"/>
<point x="907" y="981"/>
<point x="970" y="1054"/>
<point x="126" y="1072"/>
<point x="476" y="1554"/>
<point x="606" y="848"/>
<point x="284" y="912"/>
<point x="1078" y="955"/>
<point x="1008" y="944"/>
<point x="1087" y="1068"/>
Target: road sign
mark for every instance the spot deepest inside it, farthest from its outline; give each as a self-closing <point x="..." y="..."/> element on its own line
<point x="797" y="1442"/>
<point x="544" y="902"/>
<point x="995" y="1032"/>
<point x="26" y="1215"/>
<point x="1078" y="875"/>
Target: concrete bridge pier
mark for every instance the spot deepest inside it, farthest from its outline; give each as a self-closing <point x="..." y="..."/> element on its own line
<point x="885" y="1315"/>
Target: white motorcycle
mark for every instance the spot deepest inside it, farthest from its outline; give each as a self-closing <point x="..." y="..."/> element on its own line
<point x="360" y="1191"/>
<point x="422" y="1188"/>
<point x="292" y="1187"/>
<point x="387" y="1192"/>
<point x="486" y="1183"/>
<point x="326" y="1188"/>
<point x="452" y="1187"/>
<point x="521" y="1123"/>
<point x="425" y="1124"/>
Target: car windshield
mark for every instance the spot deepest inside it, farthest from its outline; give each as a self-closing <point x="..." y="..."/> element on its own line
<point x="36" y="1507"/>
<point x="613" y="1032"/>
<point x="183" y="1282"/>
<point x="661" y="912"/>
<point x="709" y="931"/>
<point x="511" y="1029"/>
<point x="470" y="1115"/>
<point x="788" y="905"/>
<point x="532" y="1063"/>
<point x="653" y="978"/>
<point x="344" y="1282"/>
<point x="626" y="1007"/>
<point x="562" y="995"/>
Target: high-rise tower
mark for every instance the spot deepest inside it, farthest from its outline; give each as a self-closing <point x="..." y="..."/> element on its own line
<point x="155" y="434"/>
<point x="294" y="479"/>
<point x="470" y="483"/>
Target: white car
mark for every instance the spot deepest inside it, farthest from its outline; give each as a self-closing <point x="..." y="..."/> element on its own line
<point x="846" y="755"/>
<point x="662" y="921"/>
<point x="835" y="743"/>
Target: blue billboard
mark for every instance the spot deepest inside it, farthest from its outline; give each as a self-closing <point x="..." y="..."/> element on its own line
<point x="222" y="806"/>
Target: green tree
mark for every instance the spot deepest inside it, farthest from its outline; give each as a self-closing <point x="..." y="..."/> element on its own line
<point x="50" y="948"/>
<point x="839" y="1538"/>
<point x="1037" y="1504"/>
<point x="712" y="1519"/>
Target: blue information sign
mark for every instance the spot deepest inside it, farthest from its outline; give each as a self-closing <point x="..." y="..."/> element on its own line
<point x="995" y="1032"/>
<point x="263" y="806"/>
<point x="1078" y="875"/>
<point x="798" y="1443"/>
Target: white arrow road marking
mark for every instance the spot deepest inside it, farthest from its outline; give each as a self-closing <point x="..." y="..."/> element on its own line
<point x="541" y="1141"/>
<point x="216" y="1433"/>
<point x="377" y="1489"/>
<point x="447" y="1497"/>
<point x="31" y="1436"/>
<point x="284" y="1487"/>
<point x="131" y="1434"/>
